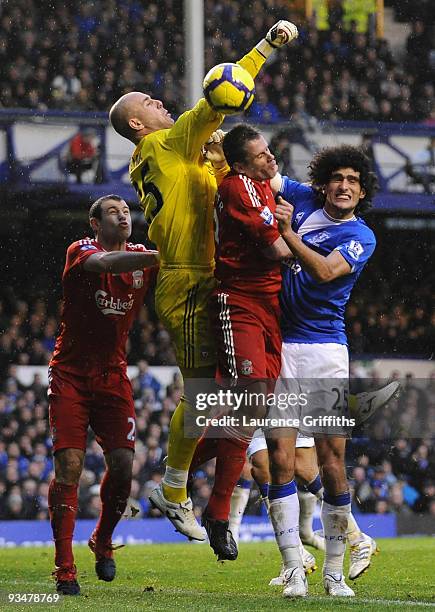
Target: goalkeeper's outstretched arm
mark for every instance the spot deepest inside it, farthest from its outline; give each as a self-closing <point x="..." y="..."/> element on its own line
<point x="280" y="34"/>
<point x="194" y="127"/>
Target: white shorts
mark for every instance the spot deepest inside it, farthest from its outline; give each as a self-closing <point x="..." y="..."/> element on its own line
<point x="317" y="375"/>
<point x="258" y="442"/>
<point x="326" y="360"/>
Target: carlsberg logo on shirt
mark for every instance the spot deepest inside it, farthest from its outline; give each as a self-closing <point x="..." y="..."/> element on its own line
<point x="108" y="305"/>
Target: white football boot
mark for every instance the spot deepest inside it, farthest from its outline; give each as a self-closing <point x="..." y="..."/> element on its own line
<point x="369" y="402"/>
<point x="279" y="580"/>
<point x="309" y="562"/>
<point x="295" y="583"/>
<point x="360" y="557"/>
<point x="181" y="515"/>
<point x="336" y="587"/>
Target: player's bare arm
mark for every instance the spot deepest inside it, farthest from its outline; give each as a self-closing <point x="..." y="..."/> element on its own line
<point x="278" y="250"/>
<point x="202" y="120"/>
<point x="118" y="262"/>
<point x="322" y="269"/>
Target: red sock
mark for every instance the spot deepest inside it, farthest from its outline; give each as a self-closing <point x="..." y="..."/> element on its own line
<point x="62" y="506"/>
<point x="206" y="449"/>
<point x="231" y="457"/>
<point x="114" y="495"/>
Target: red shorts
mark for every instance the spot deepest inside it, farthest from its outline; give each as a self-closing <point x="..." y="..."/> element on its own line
<point x="248" y="338"/>
<point x="103" y="402"/>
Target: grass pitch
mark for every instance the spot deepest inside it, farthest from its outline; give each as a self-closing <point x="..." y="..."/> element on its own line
<point x="187" y="577"/>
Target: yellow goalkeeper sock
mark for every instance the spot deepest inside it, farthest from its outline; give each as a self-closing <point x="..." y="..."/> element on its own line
<point x="180" y="453"/>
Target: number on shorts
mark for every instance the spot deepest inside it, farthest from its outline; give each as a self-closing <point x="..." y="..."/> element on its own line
<point x="132" y="433"/>
<point x="341" y="403"/>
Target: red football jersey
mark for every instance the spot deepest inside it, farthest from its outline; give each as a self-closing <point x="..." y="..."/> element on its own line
<point x="245" y="226"/>
<point x="98" y="311"/>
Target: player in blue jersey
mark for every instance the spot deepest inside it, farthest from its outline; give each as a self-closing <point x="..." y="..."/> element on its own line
<point x="331" y="244"/>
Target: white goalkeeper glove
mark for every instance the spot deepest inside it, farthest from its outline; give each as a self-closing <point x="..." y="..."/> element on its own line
<point x="213" y="150"/>
<point x="281" y="33"/>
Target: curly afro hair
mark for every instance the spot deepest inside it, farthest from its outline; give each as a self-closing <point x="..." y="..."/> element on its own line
<point x="330" y="159"/>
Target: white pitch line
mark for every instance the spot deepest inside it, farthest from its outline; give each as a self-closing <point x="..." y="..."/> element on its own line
<point x="385" y="602"/>
<point x="424" y="604"/>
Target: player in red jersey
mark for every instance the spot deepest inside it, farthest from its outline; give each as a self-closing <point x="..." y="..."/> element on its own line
<point x="104" y="283"/>
<point x="245" y="311"/>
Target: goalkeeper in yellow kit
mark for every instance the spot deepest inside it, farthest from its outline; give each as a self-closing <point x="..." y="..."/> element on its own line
<point x="176" y="186"/>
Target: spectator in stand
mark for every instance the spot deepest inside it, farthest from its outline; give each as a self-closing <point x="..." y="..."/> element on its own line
<point x="281" y="147"/>
<point x="82" y="154"/>
<point x="368" y="149"/>
<point x="15" y="510"/>
<point x="38" y="389"/>
<point x="262" y="109"/>
<point x="67" y="83"/>
<point x="430" y="121"/>
<point x="389" y="477"/>
<point x="145" y="380"/>
<point x="54" y="55"/>
<point x="364" y="497"/>
<point x="358" y="340"/>
<point x="426" y="501"/>
<point x="396" y="500"/>
<point x="421" y="168"/>
<point x="418" y="46"/>
<point x="381" y="507"/>
<point x="38" y="355"/>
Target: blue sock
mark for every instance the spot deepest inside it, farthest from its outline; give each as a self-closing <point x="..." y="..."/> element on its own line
<point x="337" y="500"/>
<point x="244" y="483"/>
<point x="315" y="485"/>
<point x="284" y="490"/>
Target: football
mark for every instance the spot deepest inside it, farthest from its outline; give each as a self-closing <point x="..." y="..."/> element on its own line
<point x="229" y="88"/>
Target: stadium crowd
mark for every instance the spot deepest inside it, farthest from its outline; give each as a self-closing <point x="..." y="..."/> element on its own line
<point x="390" y="313"/>
<point x="390" y="466"/>
<point x="84" y="56"/>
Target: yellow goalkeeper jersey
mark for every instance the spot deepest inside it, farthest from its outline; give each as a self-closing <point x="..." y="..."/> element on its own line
<point x="176" y="186"/>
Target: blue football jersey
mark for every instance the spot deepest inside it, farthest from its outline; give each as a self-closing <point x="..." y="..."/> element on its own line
<point x="311" y="311"/>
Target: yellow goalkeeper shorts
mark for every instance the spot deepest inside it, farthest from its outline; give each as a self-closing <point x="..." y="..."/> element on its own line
<point x="182" y="298"/>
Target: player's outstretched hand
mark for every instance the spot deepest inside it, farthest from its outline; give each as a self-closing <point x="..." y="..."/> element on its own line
<point x="213" y="150"/>
<point x="281" y="33"/>
<point x="283" y="214"/>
